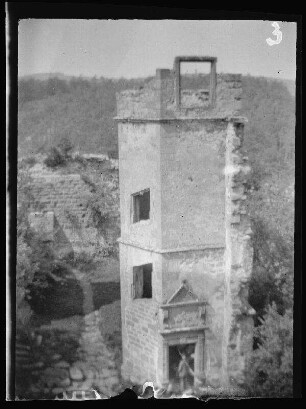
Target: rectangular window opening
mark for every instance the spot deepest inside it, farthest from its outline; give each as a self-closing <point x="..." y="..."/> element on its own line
<point x="141" y="205"/>
<point x="142" y="281"/>
<point x="195" y="79"/>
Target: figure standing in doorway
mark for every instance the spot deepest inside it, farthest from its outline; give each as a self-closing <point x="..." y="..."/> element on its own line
<point x="183" y="371"/>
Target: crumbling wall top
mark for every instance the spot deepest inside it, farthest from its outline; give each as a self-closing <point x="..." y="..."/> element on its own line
<point x="164" y="97"/>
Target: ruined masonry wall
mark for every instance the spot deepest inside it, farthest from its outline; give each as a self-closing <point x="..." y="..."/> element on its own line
<point x="140" y="336"/>
<point x="156" y="100"/>
<point x="83" y="359"/>
<point x="204" y="270"/>
<point x="193" y="188"/>
<point x="141" y="347"/>
<point x="238" y="321"/>
<point x="65" y="195"/>
<point x="139" y="169"/>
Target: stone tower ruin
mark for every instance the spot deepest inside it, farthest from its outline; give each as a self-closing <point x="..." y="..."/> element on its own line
<point x="185" y="253"/>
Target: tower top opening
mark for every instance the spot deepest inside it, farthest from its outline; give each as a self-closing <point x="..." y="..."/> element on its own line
<point x="181" y="94"/>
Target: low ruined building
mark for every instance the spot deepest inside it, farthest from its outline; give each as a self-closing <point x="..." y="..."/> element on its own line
<point x="185" y="252"/>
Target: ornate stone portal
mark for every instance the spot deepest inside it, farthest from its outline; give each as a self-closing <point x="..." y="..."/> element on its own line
<point x="183" y="322"/>
<point x="185" y="253"/>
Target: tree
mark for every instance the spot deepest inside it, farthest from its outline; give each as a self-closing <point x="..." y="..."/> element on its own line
<point x="25" y="269"/>
<point x="59" y="154"/>
<point x="270" y="371"/>
<point x="269" y="133"/>
<point x="269" y="141"/>
<point x="272" y="276"/>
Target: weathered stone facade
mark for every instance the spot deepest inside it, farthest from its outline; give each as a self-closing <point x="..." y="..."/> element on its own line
<point x="197" y="236"/>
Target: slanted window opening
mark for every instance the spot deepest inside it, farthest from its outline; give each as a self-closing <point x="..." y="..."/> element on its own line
<point x="142" y="281"/>
<point x="141" y="206"/>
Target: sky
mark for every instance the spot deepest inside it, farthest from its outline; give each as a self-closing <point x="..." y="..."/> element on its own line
<point x="135" y="48"/>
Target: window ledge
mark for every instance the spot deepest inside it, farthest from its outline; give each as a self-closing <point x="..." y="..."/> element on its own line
<point x="142" y="223"/>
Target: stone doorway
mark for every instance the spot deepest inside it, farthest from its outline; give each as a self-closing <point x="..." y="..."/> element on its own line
<point x="177" y="354"/>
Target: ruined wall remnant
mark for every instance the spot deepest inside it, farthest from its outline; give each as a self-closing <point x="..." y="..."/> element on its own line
<point x="59" y="211"/>
<point x="185" y="149"/>
<point x="68" y="358"/>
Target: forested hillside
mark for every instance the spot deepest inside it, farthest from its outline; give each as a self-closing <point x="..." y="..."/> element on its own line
<point x="81" y="110"/>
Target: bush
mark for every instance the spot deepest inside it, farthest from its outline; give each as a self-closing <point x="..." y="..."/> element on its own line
<point x="101" y="204"/>
<point x="82" y="261"/>
<point x="65" y="146"/>
<point x="25" y="270"/>
<point x="113" y="153"/>
<point x="59" y="154"/>
<point x="270" y="369"/>
<point x="26" y="267"/>
<point x="52" y="275"/>
<point x="54" y="158"/>
<point x="29" y="161"/>
<point x="36" y="262"/>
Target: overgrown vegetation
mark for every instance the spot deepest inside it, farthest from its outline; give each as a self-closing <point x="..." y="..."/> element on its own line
<point x="269" y="142"/>
<point x="103" y="203"/>
<point x="271" y="364"/>
<point x="59" y="155"/>
<point x="36" y="261"/>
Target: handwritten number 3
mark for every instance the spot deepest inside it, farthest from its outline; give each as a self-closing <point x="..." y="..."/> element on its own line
<point x="277" y="33"/>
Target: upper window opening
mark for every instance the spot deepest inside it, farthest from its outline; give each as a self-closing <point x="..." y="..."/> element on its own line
<point x="141" y="205"/>
<point x="195" y="79"/>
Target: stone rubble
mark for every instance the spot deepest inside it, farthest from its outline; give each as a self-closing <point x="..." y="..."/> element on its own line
<point x="94" y="364"/>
